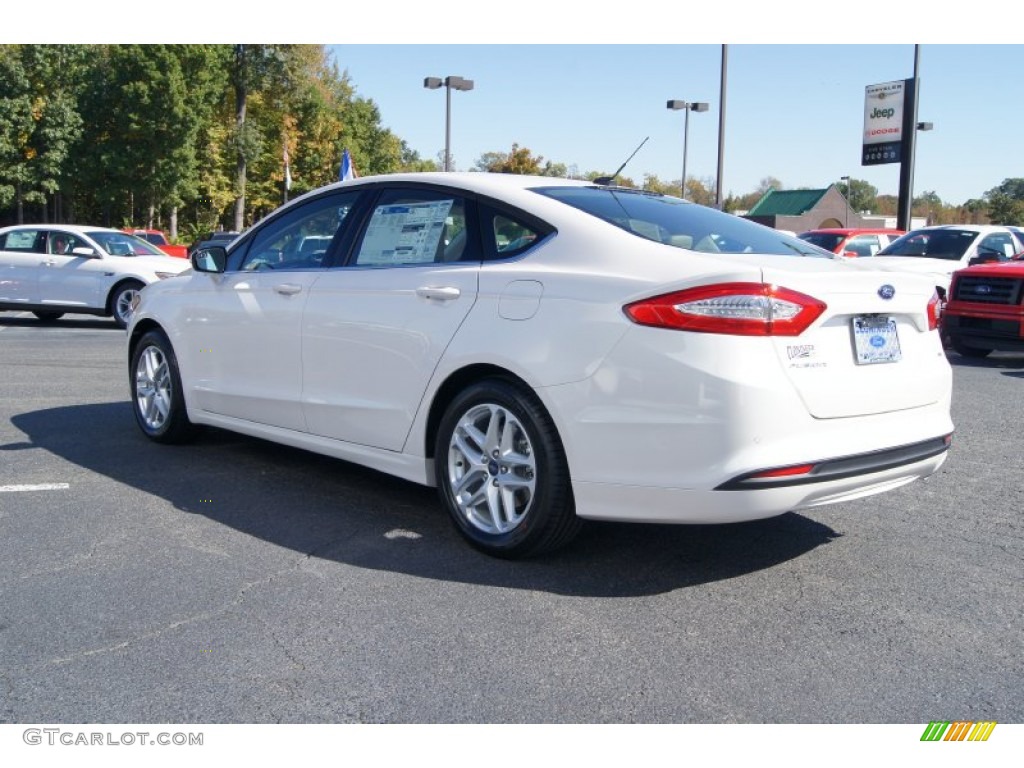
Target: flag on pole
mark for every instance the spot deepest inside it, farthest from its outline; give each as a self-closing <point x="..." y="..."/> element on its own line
<point x="348" y="168"/>
<point x="287" y="170"/>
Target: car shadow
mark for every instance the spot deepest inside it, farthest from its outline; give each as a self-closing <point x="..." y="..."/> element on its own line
<point x="1005" y="360"/>
<point x="68" y="321"/>
<point x="330" y="509"/>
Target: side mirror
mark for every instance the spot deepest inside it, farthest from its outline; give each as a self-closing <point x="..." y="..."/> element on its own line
<point x="984" y="258"/>
<point x="84" y="250"/>
<point x="213" y="259"/>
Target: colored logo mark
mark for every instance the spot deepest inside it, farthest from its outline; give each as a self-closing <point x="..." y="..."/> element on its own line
<point x="960" y="730"/>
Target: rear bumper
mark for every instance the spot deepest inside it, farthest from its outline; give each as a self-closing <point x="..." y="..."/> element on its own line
<point x="624" y="503"/>
<point x="838" y="468"/>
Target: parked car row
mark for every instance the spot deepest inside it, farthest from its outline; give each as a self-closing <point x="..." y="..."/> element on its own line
<point x="545" y="351"/>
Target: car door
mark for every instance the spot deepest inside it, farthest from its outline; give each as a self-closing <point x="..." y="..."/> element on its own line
<point x="21" y="257"/>
<point x="242" y="335"/>
<point x="375" y="328"/>
<point x="71" y="279"/>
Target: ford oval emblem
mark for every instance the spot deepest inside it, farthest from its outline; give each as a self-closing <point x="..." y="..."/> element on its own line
<point x="983" y="289"/>
<point x="886" y="291"/>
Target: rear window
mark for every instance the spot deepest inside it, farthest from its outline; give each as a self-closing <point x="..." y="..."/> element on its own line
<point x="949" y="244"/>
<point x="827" y="240"/>
<point x="678" y="223"/>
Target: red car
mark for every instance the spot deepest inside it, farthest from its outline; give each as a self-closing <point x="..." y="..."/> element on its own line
<point x="851" y="242"/>
<point x="986" y="308"/>
<point x="157" y="238"/>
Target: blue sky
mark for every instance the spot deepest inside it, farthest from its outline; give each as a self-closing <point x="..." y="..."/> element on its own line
<point x="583" y="83"/>
<point x="794" y="112"/>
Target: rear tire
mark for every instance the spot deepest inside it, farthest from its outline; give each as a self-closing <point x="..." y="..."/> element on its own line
<point x="502" y="473"/>
<point x="157" y="398"/>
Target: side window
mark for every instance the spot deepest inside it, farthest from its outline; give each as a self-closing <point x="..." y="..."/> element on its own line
<point x="63" y="243"/>
<point x="409" y="227"/>
<point x="864" y="245"/>
<point x="508" y="234"/>
<point x="999" y="243"/>
<point x="300" y="238"/>
<point x="24" y="240"/>
<point x="511" y="236"/>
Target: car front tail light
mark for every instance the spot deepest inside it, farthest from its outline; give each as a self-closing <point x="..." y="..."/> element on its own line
<point x="739" y="309"/>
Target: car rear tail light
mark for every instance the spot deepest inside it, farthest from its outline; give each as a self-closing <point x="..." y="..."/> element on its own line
<point x="934" y="311"/>
<point x="740" y="309"/>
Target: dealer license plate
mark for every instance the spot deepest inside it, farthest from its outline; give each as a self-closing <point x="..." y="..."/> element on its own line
<point x="875" y="340"/>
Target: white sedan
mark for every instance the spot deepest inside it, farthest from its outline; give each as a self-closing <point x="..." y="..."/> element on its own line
<point x="546" y="351"/>
<point x="53" y="269"/>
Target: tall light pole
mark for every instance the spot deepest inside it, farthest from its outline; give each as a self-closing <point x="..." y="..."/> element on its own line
<point x="719" y="185"/>
<point x="688" y="106"/>
<point x="847" y="196"/>
<point x="450" y="82"/>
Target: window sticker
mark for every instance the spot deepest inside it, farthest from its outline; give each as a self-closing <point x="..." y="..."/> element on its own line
<point x="406" y="233"/>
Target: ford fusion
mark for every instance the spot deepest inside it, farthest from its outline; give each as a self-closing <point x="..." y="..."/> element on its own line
<point x="545" y="351"/>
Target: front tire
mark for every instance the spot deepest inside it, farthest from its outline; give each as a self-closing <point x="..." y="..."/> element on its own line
<point x="121" y="302"/>
<point x="157" y="398"/>
<point x="502" y="473"/>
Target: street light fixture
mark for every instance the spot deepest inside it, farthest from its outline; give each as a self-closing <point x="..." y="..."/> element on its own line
<point x="449" y="83"/>
<point x="847" y="196"/>
<point x="688" y="106"/>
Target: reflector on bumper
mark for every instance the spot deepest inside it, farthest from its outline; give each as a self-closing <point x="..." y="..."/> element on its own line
<point x="837" y="469"/>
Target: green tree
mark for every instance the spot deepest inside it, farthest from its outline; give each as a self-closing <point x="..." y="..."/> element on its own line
<point x="1006" y="202"/>
<point x="859" y="194"/>
<point x="40" y="87"/>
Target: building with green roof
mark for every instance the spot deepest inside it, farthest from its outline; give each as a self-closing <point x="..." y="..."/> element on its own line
<point x="800" y="210"/>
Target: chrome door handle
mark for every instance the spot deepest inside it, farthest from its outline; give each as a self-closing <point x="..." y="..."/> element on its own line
<point x="439" y="294"/>
<point x="288" y="289"/>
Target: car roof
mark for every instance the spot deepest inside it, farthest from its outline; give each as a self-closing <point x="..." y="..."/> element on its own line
<point x="80" y="229"/>
<point x="853" y="231"/>
<point x="978" y="228"/>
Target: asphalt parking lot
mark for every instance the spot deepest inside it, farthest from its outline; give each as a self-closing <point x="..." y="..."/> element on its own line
<point x="238" y="581"/>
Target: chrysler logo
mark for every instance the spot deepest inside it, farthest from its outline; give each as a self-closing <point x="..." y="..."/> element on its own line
<point x="886" y="291"/>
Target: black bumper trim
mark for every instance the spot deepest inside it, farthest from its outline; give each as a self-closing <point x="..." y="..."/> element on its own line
<point x="843" y="467"/>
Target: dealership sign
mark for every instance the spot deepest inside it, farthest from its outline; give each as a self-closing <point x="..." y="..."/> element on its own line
<point x="883" y="123"/>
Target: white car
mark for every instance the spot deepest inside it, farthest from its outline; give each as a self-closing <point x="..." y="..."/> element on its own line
<point x="52" y="269"/>
<point x="546" y="350"/>
<point x="940" y="251"/>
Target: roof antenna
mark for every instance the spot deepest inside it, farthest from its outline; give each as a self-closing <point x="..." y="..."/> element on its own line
<point x="607" y="181"/>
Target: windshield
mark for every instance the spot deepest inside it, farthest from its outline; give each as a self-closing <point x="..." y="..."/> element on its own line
<point x="949" y="244"/>
<point x="675" y="222"/>
<point x="827" y="240"/>
<point x="123" y="244"/>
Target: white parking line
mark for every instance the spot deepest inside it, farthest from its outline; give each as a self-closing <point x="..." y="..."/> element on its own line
<point x="38" y="487"/>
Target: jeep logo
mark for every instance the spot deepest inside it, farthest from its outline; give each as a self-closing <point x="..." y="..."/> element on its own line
<point x="886" y="113"/>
